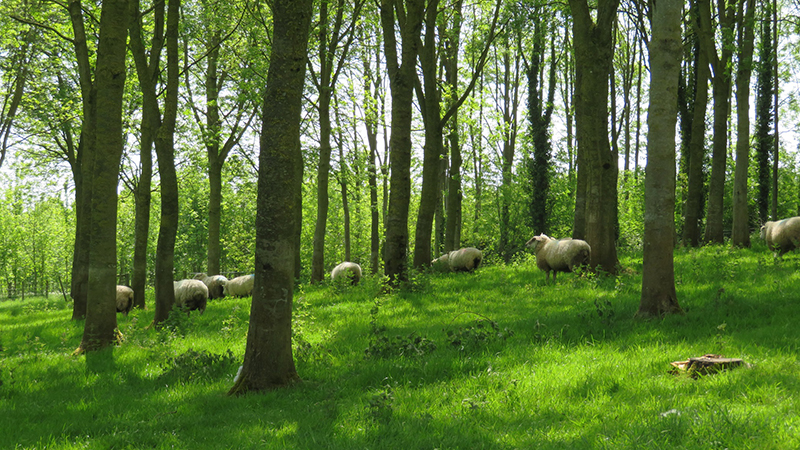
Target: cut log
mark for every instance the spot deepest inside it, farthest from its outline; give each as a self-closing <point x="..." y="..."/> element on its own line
<point x="706" y="364"/>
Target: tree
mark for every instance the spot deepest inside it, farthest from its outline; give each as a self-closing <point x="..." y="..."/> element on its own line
<point x="268" y="361"/>
<point x="148" y="73"/>
<point x="430" y="93"/>
<point x="540" y="111"/>
<point x="81" y="167"/>
<point x="223" y="117"/>
<point x="101" y="313"/>
<point x="764" y="116"/>
<point x="165" y="151"/>
<point x="695" y="152"/>
<point x="373" y="95"/>
<point x="508" y="104"/>
<point x="597" y="163"/>
<point x="658" y="273"/>
<point x="721" y="76"/>
<point x="402" y="74"/>
<point x="334" y="39"/>
<point x="740" y="236"/>
<point x="13" y="82"/>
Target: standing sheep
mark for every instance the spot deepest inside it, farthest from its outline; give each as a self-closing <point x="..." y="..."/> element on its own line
<point x="559" y="255"/>
<point x="782" y="236"/>
<point x="463" y="260"/>
<point x="214" y="283"/>
<point x="348" y="270"/>
<point x="124" y="299"/>
<point x="191" y="295"/>
<point x="239" y="287"/>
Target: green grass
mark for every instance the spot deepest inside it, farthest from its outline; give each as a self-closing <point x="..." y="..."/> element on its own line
<point x="495" y="359"/>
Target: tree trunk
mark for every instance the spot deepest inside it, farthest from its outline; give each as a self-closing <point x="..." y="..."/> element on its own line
<point x="268" y="361"/>
<point x="101" y="312"/>
<point x="325" y="83"/>
<point x="345" y="203"/>
<point x="721" y="93"/>
<point x="777" y="136"/>
<point x="401" y="75"/>
<point x="764" y="117"/>
<point x="323" y="175"/>
<point x="215" y="158"/>
<point x="740" y="236"/>
<point x="539" y="113"/>
<point x="165" y="150"/>
<point x="593" y="58"/>
<point x="658" y="274"/>
<point x="147" y="73"/>
<point x="693" y="211"/>
<point x="433" y="140"/>
<point x="82" y="167"/>
<point x="142" y="220"/>
<point x="371" y="125"/>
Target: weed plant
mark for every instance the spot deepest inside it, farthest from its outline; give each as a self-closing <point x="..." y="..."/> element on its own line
<point x="498" y="360"/>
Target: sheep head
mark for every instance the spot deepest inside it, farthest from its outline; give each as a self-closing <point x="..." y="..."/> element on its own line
<point x="535" y="242"/>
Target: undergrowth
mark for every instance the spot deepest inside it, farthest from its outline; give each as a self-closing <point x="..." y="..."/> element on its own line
<point x="491" y="359"/>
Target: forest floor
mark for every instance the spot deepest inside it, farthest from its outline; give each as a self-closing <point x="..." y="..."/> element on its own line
<point x="494" y="359"/>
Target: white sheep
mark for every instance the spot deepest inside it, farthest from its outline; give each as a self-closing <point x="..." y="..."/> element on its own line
<point x="559" y="255"/>
<point x="782" y="236"/>
<point x="348" y="270"/>
<point x="240" y="286"/>
<point x="124" y="299"/>
<point x="442" y="263"/>
<point x="462" y="260"/>
<point x="214" y="283"/>
<point x="191" y="295"/>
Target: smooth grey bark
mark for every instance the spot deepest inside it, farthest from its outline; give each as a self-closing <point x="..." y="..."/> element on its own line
<point x="658" y="273"/>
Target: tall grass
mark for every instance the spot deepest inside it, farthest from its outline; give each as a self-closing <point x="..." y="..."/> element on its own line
<point x="494" y="359"/>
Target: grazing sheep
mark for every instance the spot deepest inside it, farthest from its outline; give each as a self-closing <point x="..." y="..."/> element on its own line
<point x="239" y="287"/>
<point x="347" y="269"/>
<point x="442" y="263"/>
<point x="124" y="299"/>
<point x="558" y="255"/>
<point x="782" y="236"/>
<point x="191" y="295"/>
<point x="214" y="283"/>
<point x="461" y="260"/>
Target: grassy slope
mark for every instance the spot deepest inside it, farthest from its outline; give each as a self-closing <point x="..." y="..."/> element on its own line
<point x="576" y="371"/>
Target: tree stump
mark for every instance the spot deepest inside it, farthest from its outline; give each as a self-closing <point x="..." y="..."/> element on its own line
<point x="706" y="364"/>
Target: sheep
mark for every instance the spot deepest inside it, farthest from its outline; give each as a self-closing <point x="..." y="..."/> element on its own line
<point x="239" y="287"/>
<point x="442" y="263"/>
<point x="462" y="260"/>
<point x="559" y="255"/>
<point x="191" y="295"/>
<point x="348" y="270"/>
<point x="215" y="283"/>
<point x="782" y="236"/>
<point x="124" y="299"/>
